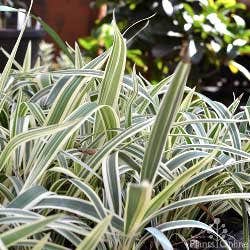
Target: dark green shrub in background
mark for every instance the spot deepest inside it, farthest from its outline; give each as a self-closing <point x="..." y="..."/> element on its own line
<point x="217" y="31"/>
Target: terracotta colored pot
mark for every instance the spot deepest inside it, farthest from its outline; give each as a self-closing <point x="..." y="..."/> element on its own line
<point x="70" y="19"/>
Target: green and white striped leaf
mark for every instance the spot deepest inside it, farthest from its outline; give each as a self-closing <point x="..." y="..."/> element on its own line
<point x="138" y="198"/>
<point x="12" y="236"/>
<point x="163" y="240"/>
<point x="93" y="197"/>
<point x="190" y="224"/>
<point x="113" y="74"/>
<point x="174" y="185"/>
<point x="111" y="181"/>
<point x="93" y="239"/>
<point x="163" y="123"/>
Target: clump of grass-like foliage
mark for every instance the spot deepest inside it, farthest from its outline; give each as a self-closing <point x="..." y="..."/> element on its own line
<point x="95" y="159"/>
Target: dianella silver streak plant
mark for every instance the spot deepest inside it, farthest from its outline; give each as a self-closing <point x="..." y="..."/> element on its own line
<point x="92" y="158"/>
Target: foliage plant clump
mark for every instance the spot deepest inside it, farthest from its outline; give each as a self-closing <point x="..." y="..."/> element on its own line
<point x="92" y="158"/>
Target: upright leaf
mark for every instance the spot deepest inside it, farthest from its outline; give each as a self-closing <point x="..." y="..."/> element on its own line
<point x="111" y="83"/>
<point x="164" y="120"/>
<point x="112" y="183"/>
<point x="27" y="59"/>
<point x="112" y="79"/>
<point x="138" y="198"/>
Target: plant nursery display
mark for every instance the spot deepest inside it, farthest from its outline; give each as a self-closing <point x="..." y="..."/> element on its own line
<point x="94" y="158"/>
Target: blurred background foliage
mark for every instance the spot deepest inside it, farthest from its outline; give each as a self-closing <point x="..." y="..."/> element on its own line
<point x="217" y="32"/>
